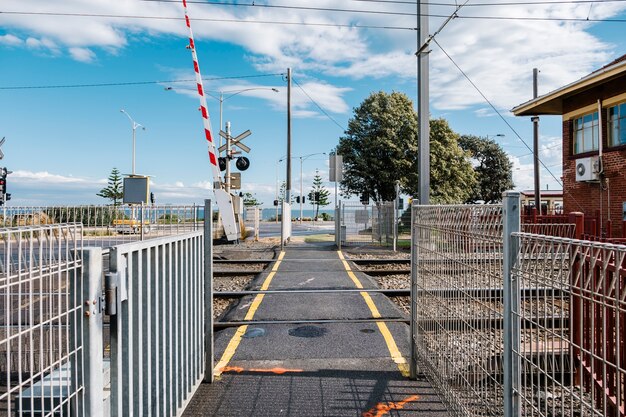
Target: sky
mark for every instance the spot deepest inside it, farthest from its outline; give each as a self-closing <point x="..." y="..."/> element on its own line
<point x="68" y="67"/>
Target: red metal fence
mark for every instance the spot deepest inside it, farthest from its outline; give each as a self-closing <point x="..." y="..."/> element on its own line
<point x="598" y="325"/>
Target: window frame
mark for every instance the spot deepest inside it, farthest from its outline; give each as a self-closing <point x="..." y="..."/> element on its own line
<point x="621" y="125"/>
<point x="578" y="133"/>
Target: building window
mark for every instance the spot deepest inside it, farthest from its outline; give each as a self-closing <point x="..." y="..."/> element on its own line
<point x="617" y="125"/>
<point x="586" y="133"/>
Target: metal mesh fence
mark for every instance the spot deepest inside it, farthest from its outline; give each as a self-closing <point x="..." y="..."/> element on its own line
<point x="366" y="224"/>
<point x="458" y="304"/>
<point x="157" y="333"/>
<point x="571" y="353"/>
<point x="105" y="226"/>
<point x="40" y="271"/>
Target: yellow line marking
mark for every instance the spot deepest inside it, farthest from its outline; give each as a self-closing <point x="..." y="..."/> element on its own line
<point x="396" y="356"/>
<point x="241" y="330"/>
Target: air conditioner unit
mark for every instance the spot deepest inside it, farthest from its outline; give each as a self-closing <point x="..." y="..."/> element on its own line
<point x="588" y="169"/>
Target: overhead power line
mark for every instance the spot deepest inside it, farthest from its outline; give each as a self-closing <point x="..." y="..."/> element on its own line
<point x="121" y="84"/>
<point x="547" y="168"/>
<point x="288" y="7"/>
<point x="263" y="22"/>
<point x="318" y="106"/>
<point x="352" y="26"/>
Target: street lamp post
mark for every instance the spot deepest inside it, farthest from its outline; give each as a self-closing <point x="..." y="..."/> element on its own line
<point x="221" y="97"/>
<point x="135" y="126"/>
<point x="277" y="184"/>
<point x="302" y="158"/>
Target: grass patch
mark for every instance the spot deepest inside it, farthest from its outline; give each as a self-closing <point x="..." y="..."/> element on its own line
<point x="325" y="237"/>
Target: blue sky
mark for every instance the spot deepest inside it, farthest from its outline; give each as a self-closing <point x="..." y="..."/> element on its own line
<point x="61" y="143"/>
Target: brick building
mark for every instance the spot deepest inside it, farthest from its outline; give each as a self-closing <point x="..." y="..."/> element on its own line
<point x="594" y="142"/>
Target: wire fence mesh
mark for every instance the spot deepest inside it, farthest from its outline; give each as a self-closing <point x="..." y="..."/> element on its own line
<point x="572" y="351"/>
<point x="458" y="304"/>
<point x="556" y="332"/>
<point x="40" y="277"/>
<point x="106" y="226"/>
<point x="367" y="224"/>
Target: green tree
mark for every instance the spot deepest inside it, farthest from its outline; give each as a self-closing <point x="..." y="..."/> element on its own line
<point x="492" y="167"/>
<point x="323" y="194"/>
<point x="452" y="177"/>
<point x="114" y="191"/>
<point x="249" y="200"/>
<point x="380" y="147"/>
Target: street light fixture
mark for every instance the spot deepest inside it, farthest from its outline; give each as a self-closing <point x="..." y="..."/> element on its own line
<point x="221" y="97"/>
<point x="302" y="158"/>
<point x="135" y="126"/>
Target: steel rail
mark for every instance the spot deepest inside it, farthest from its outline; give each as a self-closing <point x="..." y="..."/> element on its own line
<point x="226" y="324"/>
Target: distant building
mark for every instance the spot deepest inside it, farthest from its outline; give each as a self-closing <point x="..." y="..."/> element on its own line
<point x="551" y="201"/>
<point x="594" y="141"/>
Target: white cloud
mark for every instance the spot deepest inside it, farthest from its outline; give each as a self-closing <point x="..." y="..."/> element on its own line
<point x="551" y="166"/>
<point x="85" y="55"/>
<point x="10" y="40"/>
<point x="498" y="55"/>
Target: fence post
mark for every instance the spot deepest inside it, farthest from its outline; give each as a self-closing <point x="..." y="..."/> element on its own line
<point x="338" y="226"/>
<point x="578" y="219"/>
<point x="208" y="292"/>
<point x="512" y="377"/>
<point x="413" y="363"/>
<point x="91" y="365"/>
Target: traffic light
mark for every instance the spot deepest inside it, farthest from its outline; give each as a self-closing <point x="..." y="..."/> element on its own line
<point x="3" y="182"/>
<point x="303" y="199"/>
<point x="222" y="163"/>
<point x="365" y="198"/>
<point x="297" y="199"/>
<point x="276" y="202"/>
<point x="242" y="163"/>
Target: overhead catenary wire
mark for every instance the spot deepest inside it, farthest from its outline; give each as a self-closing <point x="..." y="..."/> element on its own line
<point x="355" y="26"/>
<point x="318" y="106"/>
<point x="547" y="168"/>
<point x="131" y="83"/>
<point x="206" y="19"/>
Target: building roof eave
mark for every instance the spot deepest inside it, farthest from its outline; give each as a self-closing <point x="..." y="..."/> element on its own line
<point x="552" y="103"/>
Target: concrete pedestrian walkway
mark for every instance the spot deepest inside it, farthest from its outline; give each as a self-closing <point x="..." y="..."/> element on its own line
<point x="314" y="369"/>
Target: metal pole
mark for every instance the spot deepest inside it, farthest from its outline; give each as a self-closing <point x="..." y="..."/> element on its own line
<point x="134" y="129"/>
<point x="422" y="105"/>
<point x="339" y="223"/>
<point x="208" y="293"/>
<point x="90" y="328"/>
<point x="227" y="174"/>
<point x="141" y="222"/>
<point x="301" y="191"/>
<point x="288" y="190"/>
<point x="512" y="377"/>
<point x="535" y="120"/>
<point x="221" y="125"/>
<point x="413" y="364"/>
<point x="395" y="220"/>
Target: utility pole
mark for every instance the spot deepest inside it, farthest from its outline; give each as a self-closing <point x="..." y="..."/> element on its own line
<point x="227" y="172"/>
<point x="535" y="120"/>
<point x="422" y="104"/>
<point x="288" y="190"/>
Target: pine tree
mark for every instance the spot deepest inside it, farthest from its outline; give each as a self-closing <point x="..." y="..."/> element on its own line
<point x="321" y="192"/>
<point x="114" y="191"/>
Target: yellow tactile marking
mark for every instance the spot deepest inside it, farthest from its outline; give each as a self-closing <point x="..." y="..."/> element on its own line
<point x="236" y="339"/>
<point x="382" y="326"/>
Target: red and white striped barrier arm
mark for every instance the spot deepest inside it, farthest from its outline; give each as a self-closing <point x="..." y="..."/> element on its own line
<point x="205" y="112"/>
